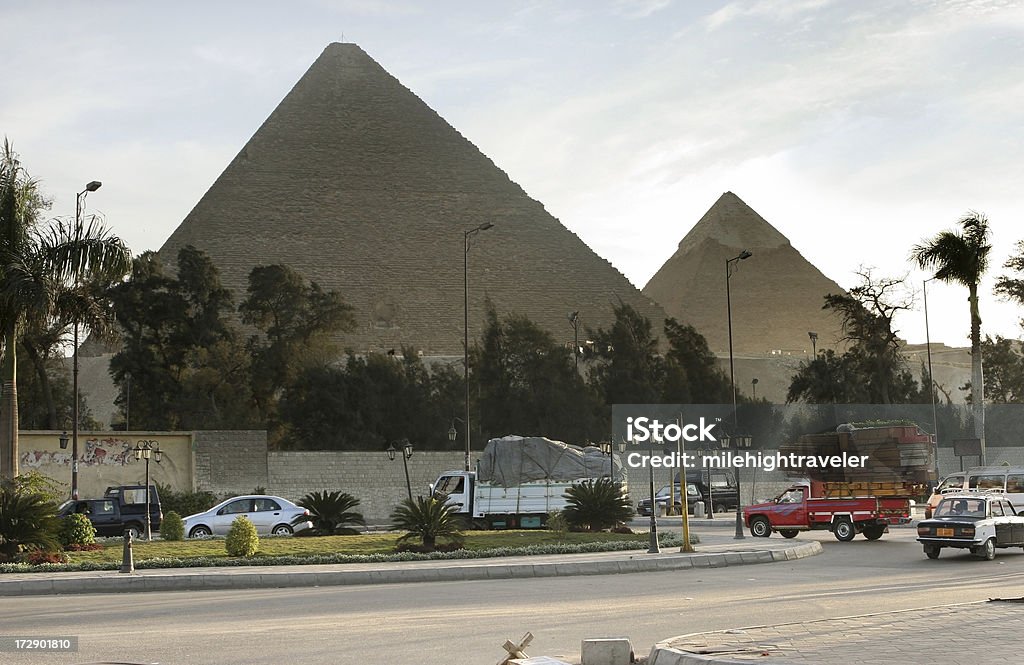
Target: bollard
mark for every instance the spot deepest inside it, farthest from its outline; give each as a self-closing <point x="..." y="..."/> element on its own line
<point x="127" y="560"/>
<point x="698" y="510"/>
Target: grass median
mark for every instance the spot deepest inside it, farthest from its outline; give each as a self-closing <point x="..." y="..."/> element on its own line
<point x="315" y="549"/>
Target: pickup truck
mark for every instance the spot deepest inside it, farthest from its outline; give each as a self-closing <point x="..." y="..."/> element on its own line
<point x="795" y="510"/>
<point x="122" y="508"/>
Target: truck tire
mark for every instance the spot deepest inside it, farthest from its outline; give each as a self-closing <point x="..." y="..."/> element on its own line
<point x="760" y="527"/>
<point x="931" y="551"/>
<point x="873" y="532"/>
<point x="788" y="533"/>
<point x="844" y="531"/>
<point x="136" y="529"/>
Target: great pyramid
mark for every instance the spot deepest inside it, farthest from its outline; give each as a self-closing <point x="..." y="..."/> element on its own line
<point x="776" y="294"/>
<point x="356" y="183"/>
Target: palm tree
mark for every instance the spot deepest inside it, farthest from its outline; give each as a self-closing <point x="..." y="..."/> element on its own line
<point x="962" y="257"/>
<point x="331" y="513"/>
<point x="27" y="521"/>
<point x="38" y="267"/>
<point x="427" y="519"/>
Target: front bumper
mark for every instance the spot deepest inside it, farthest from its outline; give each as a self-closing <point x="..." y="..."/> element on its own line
<point x="962" y="543"/>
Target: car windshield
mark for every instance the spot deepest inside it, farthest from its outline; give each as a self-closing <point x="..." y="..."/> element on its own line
<point x="961" y="508"/>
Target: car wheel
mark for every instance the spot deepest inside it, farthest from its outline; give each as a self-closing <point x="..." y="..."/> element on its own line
<point x="988" y="550"/>
<point x="282" y="530"/>
<point x="873" y="532"/>
<point x="200" y="532"/>
<point x="135" y="530"/>
<point x="931" y="551"/>
<point x="844" y="531"/>
<point x="788" y="533"/>
<point x="760" y="528"/>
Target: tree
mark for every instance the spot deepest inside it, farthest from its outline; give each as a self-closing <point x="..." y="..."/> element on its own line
<point x="1011" y="287"/>
<point x="36" y="266"/>
<point x="691" y="373"/>
<point x="1004" y="370"/>
<point x="296" y="320"/>
<point x="428" y="519"/>
<point x="962" y="257"/>
<point x="872" y="370"/>
<point x="628" y="370"/>
<point x="597" y="504"/>
<point x="332" y="513"/>
<point x="528" y="384"/>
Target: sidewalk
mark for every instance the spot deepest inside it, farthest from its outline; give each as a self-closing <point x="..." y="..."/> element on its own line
<point x="960" y="634"/>
<point x="715" y="551"/>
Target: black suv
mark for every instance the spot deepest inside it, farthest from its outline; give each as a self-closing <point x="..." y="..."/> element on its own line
<point x="723" y="493"/>
<point x="122" y="508"/>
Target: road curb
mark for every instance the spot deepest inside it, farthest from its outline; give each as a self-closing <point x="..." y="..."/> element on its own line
<point x="293" y="576"/>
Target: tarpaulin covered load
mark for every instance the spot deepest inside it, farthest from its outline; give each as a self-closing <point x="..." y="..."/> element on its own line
<point x="514" y="460"/>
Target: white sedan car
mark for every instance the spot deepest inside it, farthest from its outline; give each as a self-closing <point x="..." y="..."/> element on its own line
<point x="269" y="514"/>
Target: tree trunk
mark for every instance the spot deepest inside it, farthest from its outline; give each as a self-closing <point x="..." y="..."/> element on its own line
<point x="9" y="407"/>
<point x="977" y="372"/>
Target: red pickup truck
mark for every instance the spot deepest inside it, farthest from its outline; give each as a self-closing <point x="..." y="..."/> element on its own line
<point x="795" y="510"/>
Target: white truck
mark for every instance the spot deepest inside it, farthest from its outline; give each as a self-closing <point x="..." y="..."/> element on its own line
<point x="520" y="480"/>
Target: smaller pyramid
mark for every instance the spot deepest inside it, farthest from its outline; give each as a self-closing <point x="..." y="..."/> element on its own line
<point x="777" y="294"/>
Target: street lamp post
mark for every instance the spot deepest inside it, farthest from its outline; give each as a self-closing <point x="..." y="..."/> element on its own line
<point x="655" y="547"/>
<point x="728" y="305"/>
<point x="466" y="235"/>
<point x="742" y="442"/>
<point x="91" y="187"/>
<point x="406" y="454"/>
<point x="574" y="321"/>
<point x="753" y="388"/>
<point x="145" y="450"/>
<point x="814" y="344"/>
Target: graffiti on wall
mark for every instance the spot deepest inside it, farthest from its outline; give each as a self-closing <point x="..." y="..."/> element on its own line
<point x="110" y="451"/>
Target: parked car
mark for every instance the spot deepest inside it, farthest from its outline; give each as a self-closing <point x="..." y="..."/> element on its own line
<point x="269" y="514"/>
<point x="643" y="507"/>
<point x="110" y="518"/>
<point x="978" y="521"/>
<point x="122" y="508"/>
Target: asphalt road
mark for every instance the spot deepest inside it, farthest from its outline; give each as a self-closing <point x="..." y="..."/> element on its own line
<point x="466" y="622"/>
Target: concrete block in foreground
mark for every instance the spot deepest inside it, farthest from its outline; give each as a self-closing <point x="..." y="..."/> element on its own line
<point x="607" y="651"/>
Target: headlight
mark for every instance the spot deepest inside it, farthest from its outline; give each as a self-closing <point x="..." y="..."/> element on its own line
<point x="967" y="531"/>
<point x="924" y="531"/>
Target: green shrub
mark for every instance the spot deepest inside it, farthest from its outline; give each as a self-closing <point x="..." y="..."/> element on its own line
<point x="172" y="527"/>
<point x="185" y="503"/>
<point x="331" y="513"/>
<point x="596" y="505"/>
<point x="427" y="519"/>
<point x="557" y="522"/>
<point x="76" y="529"/>
<point x="242" y="539"/>
<point x="28" y="522"/>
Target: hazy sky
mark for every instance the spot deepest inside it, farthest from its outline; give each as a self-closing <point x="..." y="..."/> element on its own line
<point x="857" y="128"/>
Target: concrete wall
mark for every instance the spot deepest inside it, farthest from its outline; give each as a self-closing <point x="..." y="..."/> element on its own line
<point x="106" y="458"/>
<point x="231" y="461"/>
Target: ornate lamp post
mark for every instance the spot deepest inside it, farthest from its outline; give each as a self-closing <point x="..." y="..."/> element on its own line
<point x="146" y="450"/>
<point x="814" y="344"/>
<point x="740" y="442"/>
<point x="91" y="187"/>
<point x="753" y="388"/>
<point x="466" y="235"/>
<point x="406" y="454"/>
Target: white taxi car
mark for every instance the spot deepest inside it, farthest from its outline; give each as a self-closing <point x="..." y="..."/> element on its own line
<point x="978" y="521"/>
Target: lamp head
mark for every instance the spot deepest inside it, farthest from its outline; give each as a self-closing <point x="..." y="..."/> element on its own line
<point x="391" y="452"/>
<point x="485" y="226"/>
<point x="744" y="255"/>
<point x="93" y="186"/>
<point x="63" y="440"/>
<point x="452" y="433"/>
